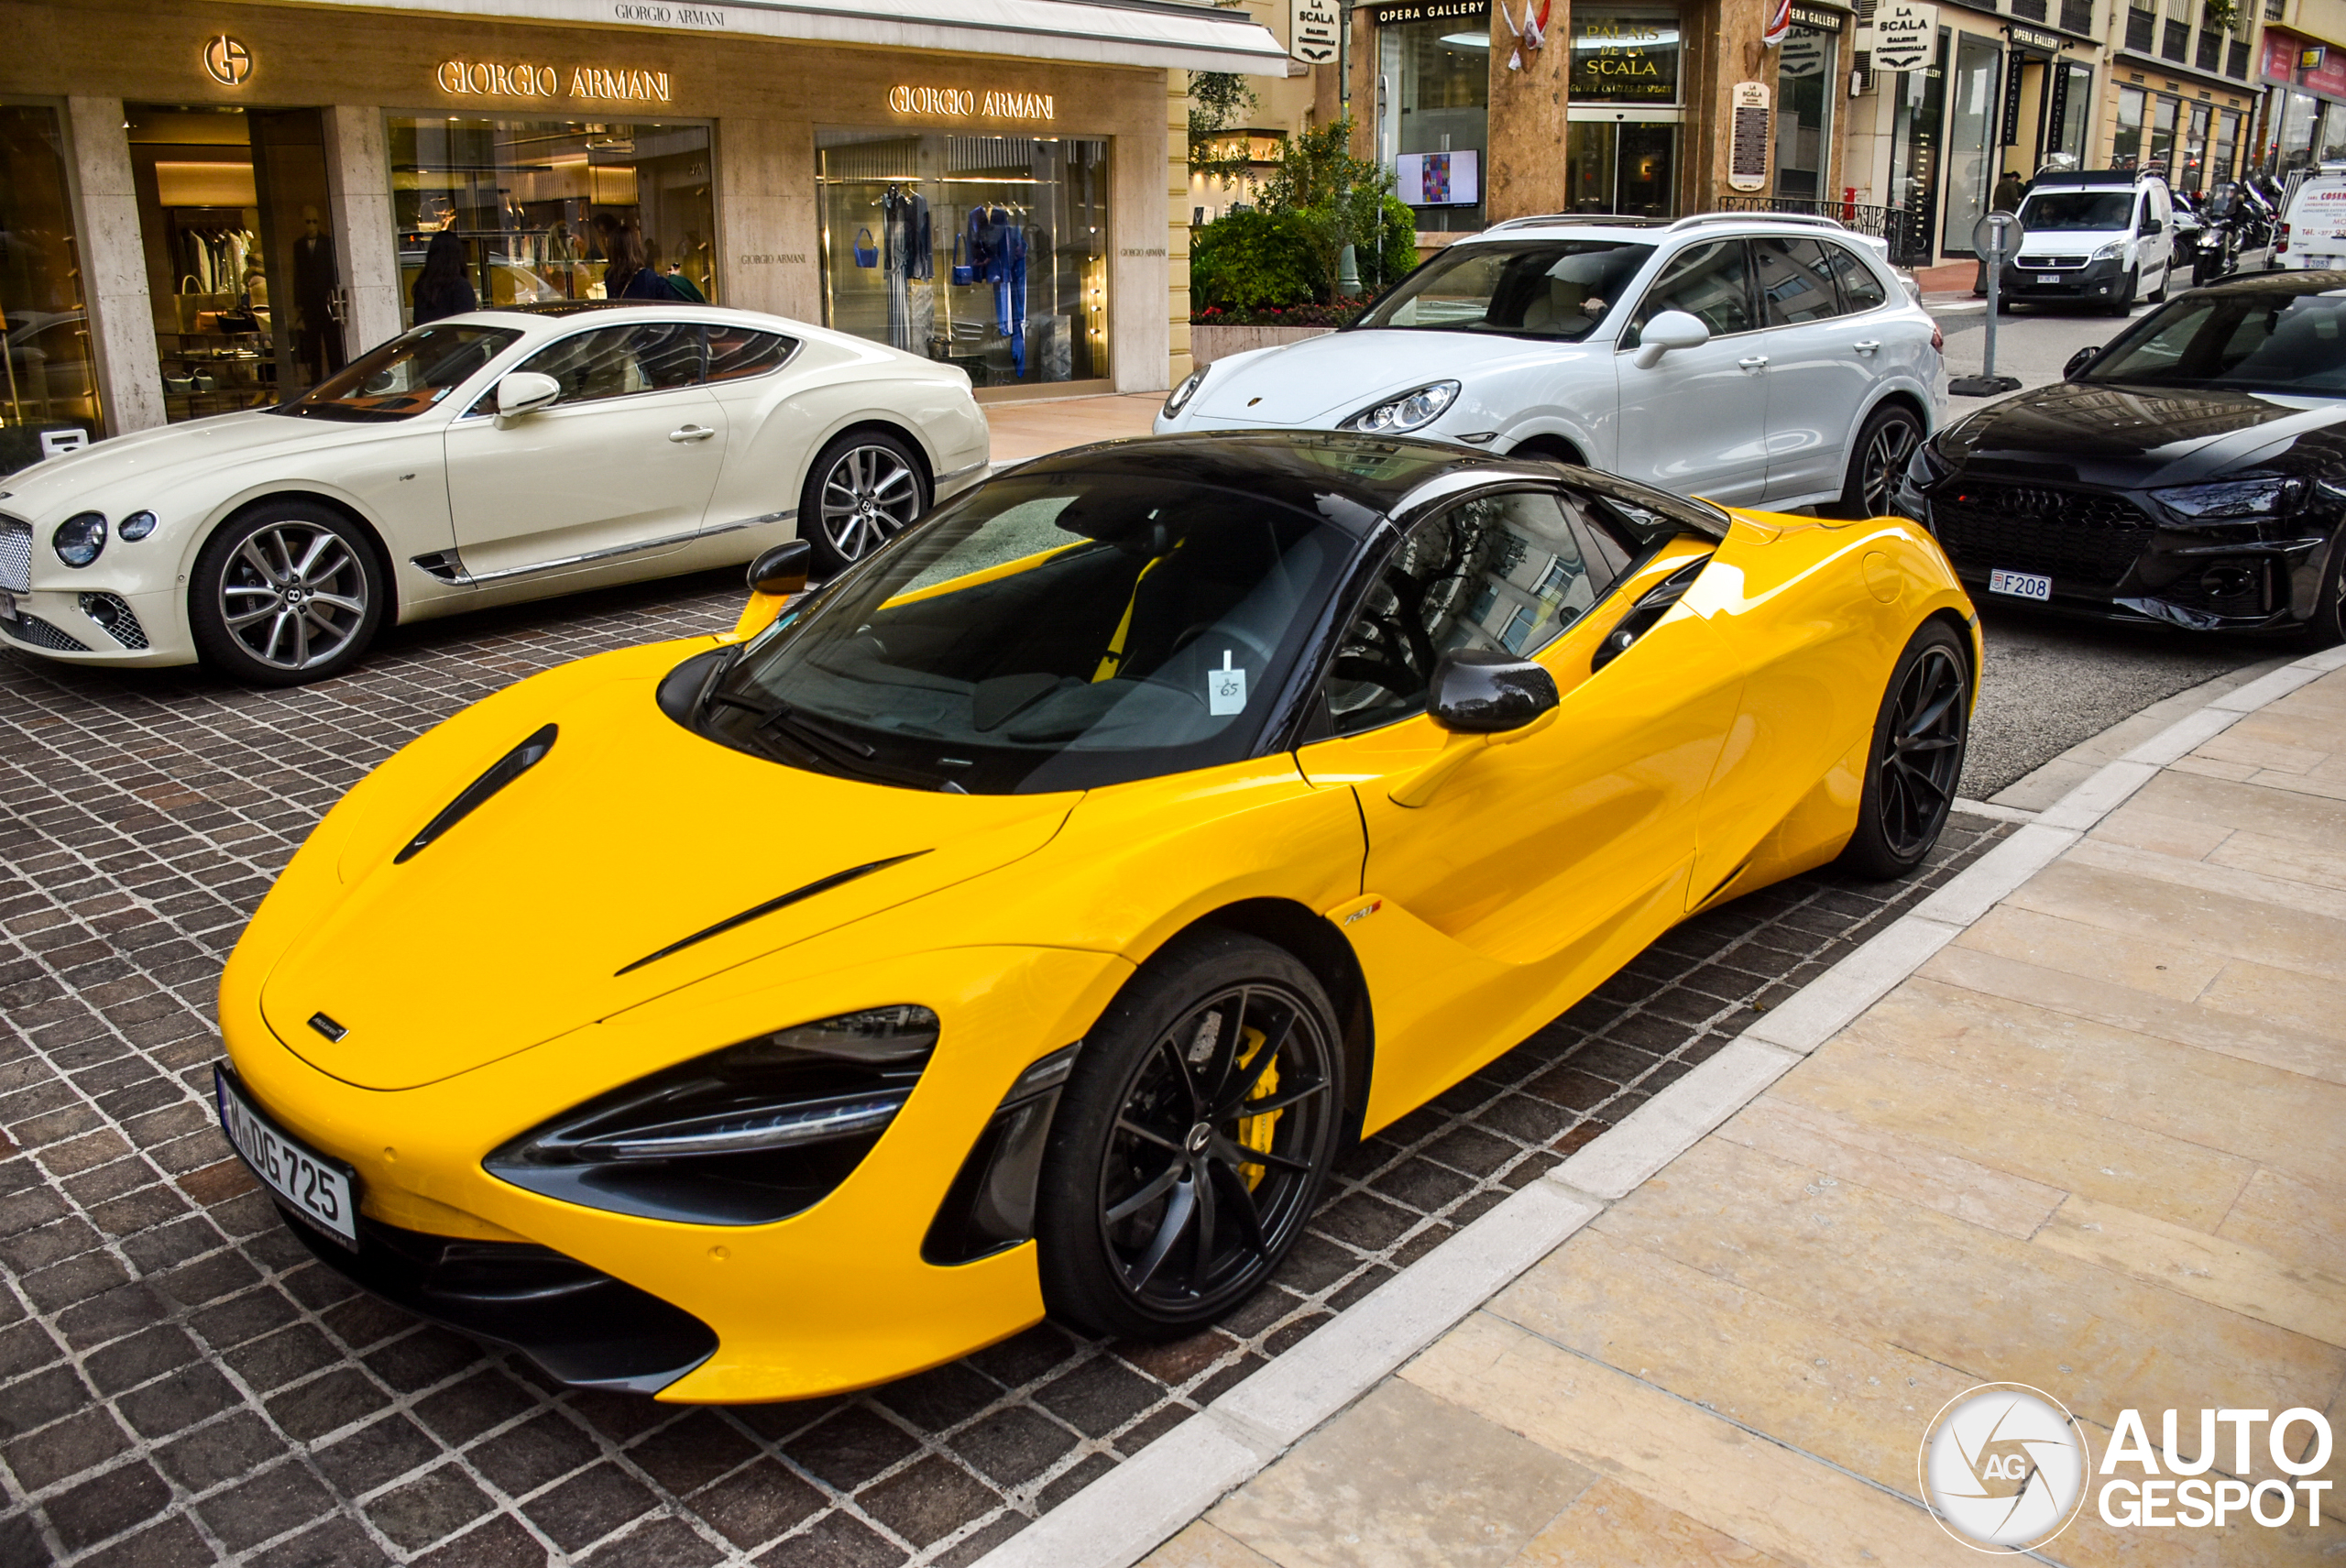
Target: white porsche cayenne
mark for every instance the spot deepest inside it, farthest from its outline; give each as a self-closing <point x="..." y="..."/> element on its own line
<point x="478" y="460"/>
<point x="1750" y="360"/>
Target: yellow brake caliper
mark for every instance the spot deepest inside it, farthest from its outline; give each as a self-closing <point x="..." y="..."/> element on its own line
<point x="1254" y="1132"/>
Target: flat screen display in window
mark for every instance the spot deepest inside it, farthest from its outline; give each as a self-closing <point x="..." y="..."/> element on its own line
<point x="1624" y="54"/>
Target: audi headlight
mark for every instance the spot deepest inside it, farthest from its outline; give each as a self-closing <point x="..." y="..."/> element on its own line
<point x="746" y="1135"/>
<point x="80" y="538"/>
<point x="136" y="526"/>
<point x="2240" y="498"/>
<point x="1413" y="410"/>
<point x="1179" y="396"/>
<point x="1926" y="466"/>
<point x="2111" y="251"/>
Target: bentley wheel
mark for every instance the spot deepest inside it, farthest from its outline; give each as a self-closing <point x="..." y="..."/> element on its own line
<point x="863" y="490"/>
<point x="289" y="592"/>
<point x="1916" y="757"/>
<point x="1883" y="447"/>
<point x="1192" y="1141"/>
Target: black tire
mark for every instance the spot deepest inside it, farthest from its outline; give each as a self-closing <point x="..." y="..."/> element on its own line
<point x="863" y="489"/>
<point x="289" y="592"/>
<point x="1147" y="1225"/>
<point x="1915" y="758"/>
<point x="2124" y="300"/>
<point x="2328" y="627"/>
<point x="2167" y="282"/>
<point x="1885" y="442"/>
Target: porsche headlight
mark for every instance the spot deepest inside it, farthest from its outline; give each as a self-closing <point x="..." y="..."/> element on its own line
<point x="746" y="1135"/>
<point x="2240" y="498"/>
<point x="80" y="538"/>
<point x="1413" y="410"/>
<point x="1179" y="396"/>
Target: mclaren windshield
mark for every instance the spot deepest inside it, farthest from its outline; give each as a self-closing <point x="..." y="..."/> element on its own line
<point x="2253" y="340"/>
<point x="1048" y="633"/>
<point x="1558" y="289"/>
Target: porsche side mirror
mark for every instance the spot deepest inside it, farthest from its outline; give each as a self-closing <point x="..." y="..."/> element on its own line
<point x="774" y="577"/>
<point x="782" y="569"/>
<point x="1670" y="329"/>
<point x="525" y="392"/>
<point x="2077" y="363"/>
<point x="1482" y="699"/>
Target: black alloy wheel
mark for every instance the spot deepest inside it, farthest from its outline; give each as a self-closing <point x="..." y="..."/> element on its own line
<point x="864" y="490"/>
<point x="2328" y="627"/>
<point x="1916" y="758"/>
<point x="1884" y="446"/>
<point x="1193" y="1139"/>
<point x="290" y="592"/>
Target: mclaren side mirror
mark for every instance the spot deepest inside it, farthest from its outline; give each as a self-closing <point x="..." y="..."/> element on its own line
<point x="525" y="392"/>
<point x="1482" y="699"/>
<point x="774" y="577"/>
<point x="2077" y="363"/>
<point x="1670" y="329"/>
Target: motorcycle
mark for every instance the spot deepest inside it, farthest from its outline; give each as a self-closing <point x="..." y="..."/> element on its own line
<point x="2239" y="221"/>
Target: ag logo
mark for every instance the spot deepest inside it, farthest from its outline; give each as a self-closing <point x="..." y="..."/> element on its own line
<point x="229" y="62"/>
<point x="2003" y="1467"/>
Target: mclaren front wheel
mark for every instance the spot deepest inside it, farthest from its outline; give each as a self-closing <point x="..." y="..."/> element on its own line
<point x="1916" y="756"/>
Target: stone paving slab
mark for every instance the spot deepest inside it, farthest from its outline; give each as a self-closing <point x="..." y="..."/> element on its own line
<point x="180" y="1384"/>
<point x="2093" y="1144"/>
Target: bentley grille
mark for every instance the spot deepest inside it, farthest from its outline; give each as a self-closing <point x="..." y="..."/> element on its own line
<point x="16" y="556"/>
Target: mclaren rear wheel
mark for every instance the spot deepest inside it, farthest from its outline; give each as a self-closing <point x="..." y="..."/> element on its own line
<point x="1193" y="1139"/>
<point x="1916" y="757"/>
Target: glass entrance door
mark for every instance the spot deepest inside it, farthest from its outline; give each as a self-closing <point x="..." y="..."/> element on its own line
<point x="1624" y="165"/>
<point x="233" y="209"/>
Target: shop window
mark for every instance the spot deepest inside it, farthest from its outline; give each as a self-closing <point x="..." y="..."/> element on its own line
<point x="2191" y="168"/>
<point x="1624" y="54"/>
<point x="1971" y="139"/>
<point x="1918" y="99"/>
<point x="2166" y="112"/>
<point x="1024" y="219"/>
<point x="2126" y="140"/>
<point x="2221" y="158"/>
<point x="49" y="401"/>
<point x="546" y="210"/>
<point x="1805" y="78"/>
<point x="1434" y="122"/>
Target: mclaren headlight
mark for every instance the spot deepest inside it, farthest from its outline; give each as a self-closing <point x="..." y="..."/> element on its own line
<point x="2238" y="499"/>
<point x="746" y="1135"/>
<point x="1413" y="410"/>
<point x="1179" y="396"/>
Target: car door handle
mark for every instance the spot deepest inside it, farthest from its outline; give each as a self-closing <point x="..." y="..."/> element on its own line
<point x="691" y="432"/>
<point x="1868" y="347"/>
<point x="1757" y="362"/>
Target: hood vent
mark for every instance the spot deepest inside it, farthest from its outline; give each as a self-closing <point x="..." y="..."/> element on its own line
<point x="837" y="879"/>
<point x="508" y="768"/>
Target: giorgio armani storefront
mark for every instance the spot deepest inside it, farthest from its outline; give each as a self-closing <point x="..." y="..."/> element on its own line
<point x="207" y="207"/>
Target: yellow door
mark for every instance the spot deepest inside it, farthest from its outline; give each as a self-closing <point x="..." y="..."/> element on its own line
<point x="1543" y="865"/>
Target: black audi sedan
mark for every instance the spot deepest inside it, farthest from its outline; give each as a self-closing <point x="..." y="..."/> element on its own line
<point x="2191" y="471"/>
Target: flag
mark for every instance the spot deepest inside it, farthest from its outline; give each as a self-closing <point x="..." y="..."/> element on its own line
<point x="1780" y="22"/>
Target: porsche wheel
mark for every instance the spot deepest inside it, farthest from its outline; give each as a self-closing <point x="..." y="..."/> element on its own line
<point x="864" y="490"/>
<point x="1916" y="757"/>
<point x="290" y="592"/>
<point x="1890" y="434"/>
<point x="1192" y="1141"/>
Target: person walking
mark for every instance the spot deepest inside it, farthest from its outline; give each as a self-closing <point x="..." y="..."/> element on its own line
<point x="444" y="289"/>
<point x="626" y="275"/>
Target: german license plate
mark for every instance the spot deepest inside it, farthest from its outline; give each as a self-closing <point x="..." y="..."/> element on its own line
<point x="321" y="1190"/>
<point x="2020" y="584"/>
<point x="2049" y="277"/>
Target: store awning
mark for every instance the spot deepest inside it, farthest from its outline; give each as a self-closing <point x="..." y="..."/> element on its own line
<point x="1161" y="33"/>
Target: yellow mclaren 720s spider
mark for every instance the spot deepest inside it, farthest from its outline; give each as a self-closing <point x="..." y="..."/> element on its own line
<point x="1026" y="920"/>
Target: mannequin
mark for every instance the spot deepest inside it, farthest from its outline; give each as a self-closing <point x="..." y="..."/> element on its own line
<point x="317" y="336"/>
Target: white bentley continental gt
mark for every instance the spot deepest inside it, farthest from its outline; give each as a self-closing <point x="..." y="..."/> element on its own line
<point x="478" y="460"/>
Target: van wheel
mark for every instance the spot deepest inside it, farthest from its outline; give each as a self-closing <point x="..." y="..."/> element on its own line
<point x="2124" y="300"/>
<point x="2166" y="282"/>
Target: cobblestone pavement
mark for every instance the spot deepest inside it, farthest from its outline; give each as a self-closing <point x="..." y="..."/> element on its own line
<point x="180" y="1384"/>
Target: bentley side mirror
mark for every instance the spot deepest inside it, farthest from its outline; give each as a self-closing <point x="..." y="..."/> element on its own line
<point x="2077" y="363"/>
<point x="525" y="392"/>
<point x="1670" y="329"/>
<point x="1482" y="699"/>
<point x="774" y="577"/>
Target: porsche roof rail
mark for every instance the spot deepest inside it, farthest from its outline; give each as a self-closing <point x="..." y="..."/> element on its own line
<point x="1602" y="220"/>
<point x="1694" y="219"/>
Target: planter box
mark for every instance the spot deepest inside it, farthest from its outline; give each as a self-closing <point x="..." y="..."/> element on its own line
<point x="1208" y="343"/>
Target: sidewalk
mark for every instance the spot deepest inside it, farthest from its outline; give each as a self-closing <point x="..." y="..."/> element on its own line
<point x="2078" y="1122"/>
<point x="1024" y="430"/>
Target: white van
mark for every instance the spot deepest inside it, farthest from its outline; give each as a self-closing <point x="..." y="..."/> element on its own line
<point x="2313" y="225"/>
<point x="2097" y="236"/>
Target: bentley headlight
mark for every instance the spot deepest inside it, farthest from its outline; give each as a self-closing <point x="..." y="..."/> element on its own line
<point x="1413" y="410"/>
<point x="1180" y="395"/>
<point x="79" y="538"/>
<point x="2240" y="498"/>
<point x="746" y="1135"/>
<point x="136" y="526"/>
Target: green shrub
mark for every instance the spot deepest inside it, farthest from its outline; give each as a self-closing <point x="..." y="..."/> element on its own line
<point x="1249" y="260"/>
